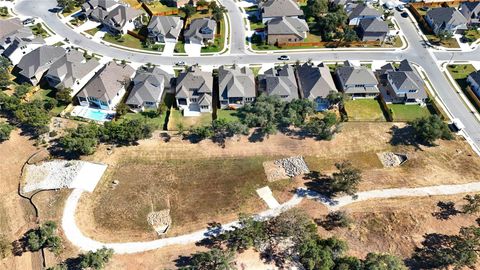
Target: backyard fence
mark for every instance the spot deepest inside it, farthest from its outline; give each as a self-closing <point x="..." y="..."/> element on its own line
<point x="473" y="97"/>
<point x="421" y="21"/>
<point x="329" y="44"/>
<point x="136" y="35"/>
<point x="386" y="111"/>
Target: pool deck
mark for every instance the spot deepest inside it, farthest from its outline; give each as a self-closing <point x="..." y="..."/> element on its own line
<point x="86" y="112"/>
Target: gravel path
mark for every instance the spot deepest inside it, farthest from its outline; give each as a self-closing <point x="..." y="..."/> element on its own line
<point x="74" y="235"/>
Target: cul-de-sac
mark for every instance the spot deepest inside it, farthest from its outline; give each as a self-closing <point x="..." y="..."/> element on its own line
<point x="239" y="134"/>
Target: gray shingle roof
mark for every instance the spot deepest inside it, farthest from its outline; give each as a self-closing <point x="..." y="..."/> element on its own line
<point x="107" y="82"/>
<point x="193" y="82"/>
<point x="475" y="76"/>
<point x="39" y="60"/>
<point x="363" y="10"/>
<point x="120" y="15"/>
<point x="354" y="77"/>
<point x="148" y="86"/>
<point x="281" y="81"/>
<point x="71" y="67"/>
<point x="200" y="29"/>
<point x="446" y="15"/>
<point x="373" y="26"/>
<point x="167" y="26"/>
<point x="236" y="82"/>
<point x="287" y="26"/>
<point x="279" y="8"/>
<point x="315" y="81"/>
<point x="9" y="28"/>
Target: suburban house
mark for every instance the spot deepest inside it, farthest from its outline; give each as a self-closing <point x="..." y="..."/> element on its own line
<point x="236" y="86"/>
<point x="446" y="19"/>
<point x="402" y="84"/>
<point x="279" y="8"/>
<point x="286" y="29"/>
<point x="164" y="29"/>
<point x="279" y="82"/>
<point x="106" y="89"/>
<point x="122" y="19"/>
<point x="315" y="83"/>
<point x="71" y="70"/>
<point x="201" y="31"/>
<point x="474" y="81"/>
<point x="97" y="10"/>
<point x="357" y="81"/>
<point x="193" y="91"/>
<point x="471" y="12"/>
<point x="149" y="85"/>
<point x="34" y="64"/>
<point x="372" y="30"/>
<point x="17" y="40"/>
<point x="361" y="12"/>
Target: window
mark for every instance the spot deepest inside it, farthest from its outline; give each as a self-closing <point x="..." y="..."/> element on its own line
<point x="249" y="99"/>
<point x="412" y="91"/>
<point x="284" y="96"/>
<point x="204" y="107"/>
<point x="193" y="100"/>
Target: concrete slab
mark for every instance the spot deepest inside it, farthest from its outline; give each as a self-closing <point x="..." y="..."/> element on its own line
<point x="88" y="176"/>
<point x="168" y="49"/>
<point x="266" y="194"/>
<point x="193" y="49"/>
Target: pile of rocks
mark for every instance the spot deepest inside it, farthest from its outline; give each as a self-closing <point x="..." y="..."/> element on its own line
<point x="53" y="174"/>
<point x="390" y="159"/>
<point x="293" y="166"/>
<point x="160" y="221"/>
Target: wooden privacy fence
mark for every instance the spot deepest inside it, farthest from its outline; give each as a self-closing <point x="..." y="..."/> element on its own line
<point x="136" y="35"/>
<point x="439" y="4"/>
<point x="421" y="21"/>
<point x="473" y="97"/>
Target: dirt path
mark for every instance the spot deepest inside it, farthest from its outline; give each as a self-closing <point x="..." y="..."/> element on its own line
<point x="73" y="233"/>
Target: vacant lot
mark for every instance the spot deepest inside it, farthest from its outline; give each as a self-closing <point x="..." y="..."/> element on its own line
<point x="203" y="182"/>
<point x="364" y="110"/>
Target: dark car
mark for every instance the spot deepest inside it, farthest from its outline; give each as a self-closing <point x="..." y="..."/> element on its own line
<point x="404" y="14"/>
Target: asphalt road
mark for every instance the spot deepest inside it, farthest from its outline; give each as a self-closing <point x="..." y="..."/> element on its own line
<point x="416" y="52"/>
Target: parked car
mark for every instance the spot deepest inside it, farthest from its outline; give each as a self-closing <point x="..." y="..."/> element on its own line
<point x="457" y="125"/>
<point x="284" y="57"/>
<point x="28" y="21"/>
<point x="400" y="7"/>
<point x="424" y="8"/>
<point x="180" y="63"/>
<point x="404" y="14"/>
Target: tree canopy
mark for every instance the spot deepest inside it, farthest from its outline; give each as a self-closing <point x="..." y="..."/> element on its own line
<point x="96" y="260"/>
<point x="429" y="129"/>
<point x="44" y="237"/>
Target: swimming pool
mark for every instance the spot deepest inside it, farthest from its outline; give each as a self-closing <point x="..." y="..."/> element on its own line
<point x="93" y="114"/>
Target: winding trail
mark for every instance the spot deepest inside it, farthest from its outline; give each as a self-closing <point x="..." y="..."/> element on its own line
<point x="74" y="235"/>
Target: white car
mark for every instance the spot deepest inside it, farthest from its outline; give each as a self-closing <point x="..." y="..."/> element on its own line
<point x="284" y="57"/>
<point x="400" y="7"/>
<point x="180" y="63"/>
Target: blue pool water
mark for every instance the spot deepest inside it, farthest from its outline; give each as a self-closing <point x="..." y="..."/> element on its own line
<point x="96" y="115"/>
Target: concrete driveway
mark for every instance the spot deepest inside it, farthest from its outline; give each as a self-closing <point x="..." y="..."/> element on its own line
<point x="193" y="49"/>
<point x="169" y="48"/>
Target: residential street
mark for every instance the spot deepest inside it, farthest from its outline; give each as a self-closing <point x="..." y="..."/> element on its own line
<point x="416" y="52"/>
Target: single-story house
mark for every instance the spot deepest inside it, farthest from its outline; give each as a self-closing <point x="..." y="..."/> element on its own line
<point x="107" y="88"/>
<point x="193" y="91"/>
<point x="71" y="70"/>
<point x="446" y="19"/>
<point x="149" y="85"/>
<point x="372" y="30"/>
<point x="34" y="64"/>
<point x="474" y="81"/>
<point x="164" y="29"/>
<point x="357" y="81"/>
<point x="402" y="84"/>
<point x="122" y="19"/>
<point x="97" y="10"/>
<point x="315" y="83"/>
<point x="201" y="31"/>
<point x="279" y="82"/>
<point x="471" y="12"/>
<point x="279" y="8"/>
<point x="286" y="29"/>
<point x="236" y="86"/>
<point x="361" y="12"/>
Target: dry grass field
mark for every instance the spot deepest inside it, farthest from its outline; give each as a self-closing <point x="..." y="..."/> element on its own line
<point x="203" y="182"/>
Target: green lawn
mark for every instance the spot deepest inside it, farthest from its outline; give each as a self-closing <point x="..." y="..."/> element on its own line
<point x="176" y="117"/>
<point x="460" y="74"/>
<point x="472" y="35"/>
<point x="179" y="47"/>
<point x="157" y="7"/>
<point x="449" y="43"/>
<point x="219" y="40"/>
<point x="131" y="42"/>
<point x="92" y="31"/>
<point x="229" y="115"/>
<point x="74" y="10"/>
<point x="150" y="116"/>
<point x="401" y="112"/>
<point x="39" y="31"/>
<point x="44" y="94"/>
<point x="364" y="110"/>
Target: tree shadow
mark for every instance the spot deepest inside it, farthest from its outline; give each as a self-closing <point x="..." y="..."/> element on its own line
<point x="258" y="135"/>
<point x="212" y="236"/>
<point x="183" y="261"/>
<point x="404" y="136"/>
<point x="432" y="253"/>
<point x="319" y="183"/>
<point x="446" y="210"/>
